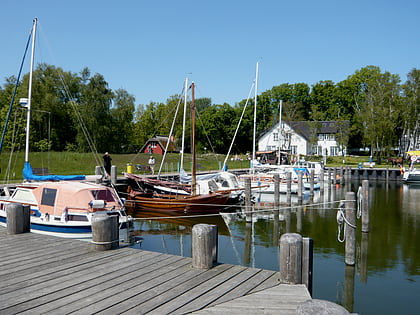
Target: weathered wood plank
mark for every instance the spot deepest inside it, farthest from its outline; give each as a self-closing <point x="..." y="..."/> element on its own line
<point x="59" y="276"/>
<point x="75" y="297"/>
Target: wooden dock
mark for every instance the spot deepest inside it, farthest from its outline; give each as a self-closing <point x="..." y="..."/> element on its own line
<point x="43" y="274"/>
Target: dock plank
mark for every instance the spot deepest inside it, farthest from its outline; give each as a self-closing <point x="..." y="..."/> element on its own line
<point x="43" y="274"/>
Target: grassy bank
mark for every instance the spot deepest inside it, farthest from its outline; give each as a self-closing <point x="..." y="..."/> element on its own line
<point x="66" y="163"/>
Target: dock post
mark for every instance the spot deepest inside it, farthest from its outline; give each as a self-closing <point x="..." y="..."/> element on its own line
<point x="291" y="258"/>
<point x="248" y="212"/>
<point x="98" y="171"/>
<point x="114" y="174"/>
<point x="365" y="205"/>
<point x="289" y="188"/>
<point x="350" y="229"/>
<point x="276" y="190"/>
<point x="204" y="240"/>
<point x="307" y="262"/>
<point x="105" y="232"/>
<point x="311" y="183"/>
<point x="300" y="188"/>
<point x="335" y="176"/>
<point x="321" y="181"/>
<point x="342" y="176"/>
<point x="18" y="219"/>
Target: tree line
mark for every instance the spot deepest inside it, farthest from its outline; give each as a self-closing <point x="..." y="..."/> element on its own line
<point x="80" y="112"/>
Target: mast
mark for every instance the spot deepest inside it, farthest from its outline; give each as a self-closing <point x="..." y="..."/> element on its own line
<point x="255" y="119"/>
<point x="183" y="123"/>
<point x="194" y="166"/>
<point x="28" y="113"/>
<point x="281" y="103"/>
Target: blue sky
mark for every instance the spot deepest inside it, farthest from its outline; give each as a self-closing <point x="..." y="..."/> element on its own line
<point x="149" y="47"/>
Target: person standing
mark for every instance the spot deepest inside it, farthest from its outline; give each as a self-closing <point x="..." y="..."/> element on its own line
<point x="107" y="164"/>
<point x="152" y="163"/>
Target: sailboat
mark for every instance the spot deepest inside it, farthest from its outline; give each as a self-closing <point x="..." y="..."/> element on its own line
<point x="60" y="205"/>
<point x="187" y="201"/>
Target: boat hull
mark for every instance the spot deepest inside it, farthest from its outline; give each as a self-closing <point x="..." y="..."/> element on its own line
<point x="211" y="203"/>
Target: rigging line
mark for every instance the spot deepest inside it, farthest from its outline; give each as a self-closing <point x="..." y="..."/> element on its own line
<point x="239" y="123"/>
<point x="14" y="92"/>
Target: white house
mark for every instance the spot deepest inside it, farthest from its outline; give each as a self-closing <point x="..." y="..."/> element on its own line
<point x="304" y="138"/>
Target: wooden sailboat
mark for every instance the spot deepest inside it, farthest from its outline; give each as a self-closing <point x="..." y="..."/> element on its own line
<point x="185" y="203"/>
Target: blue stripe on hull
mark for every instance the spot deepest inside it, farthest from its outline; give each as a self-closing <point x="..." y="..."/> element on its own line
<point x="56" y="228"/>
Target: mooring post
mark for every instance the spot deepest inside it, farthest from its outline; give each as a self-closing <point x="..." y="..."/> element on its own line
<point x="365" y="205"/>
<point x="98" y="173"/>
<point x="342" y="175"/>
<point x="204" y="246"/>
<point x="307" y="262"/>
<point x="18" y="218"/>
<point x="291" y="258"/>
<point x="300" y="188"/>
<point x="289" y="188"/>
<point x="276" y="190"/>
<point x="311" y="183"/>
<point x="105" y="232"/>
<point x="335" y="176"/>
<point x="248" y="212"/>
<point x="321" y="181"/>
<point x="350" y="229"/>
<point x="114" y="173"/>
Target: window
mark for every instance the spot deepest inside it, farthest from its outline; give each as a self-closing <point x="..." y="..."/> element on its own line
<point x="80" y="218"/>
<point x="275" y="136"/>
<point x="334" y="151"/>
<point x="103" y="194"/>
<point x="293" y="149"/>
<point x="48" y="197"/>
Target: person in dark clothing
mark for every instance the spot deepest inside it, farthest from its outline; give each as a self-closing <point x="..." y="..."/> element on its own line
<point x="107" y="164"/>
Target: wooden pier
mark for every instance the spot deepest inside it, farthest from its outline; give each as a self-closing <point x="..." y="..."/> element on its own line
<point x="43" y="274"/>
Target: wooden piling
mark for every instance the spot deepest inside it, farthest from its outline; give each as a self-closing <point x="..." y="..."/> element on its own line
<point x="291" y="258"/>
<point x="18" y="218"/>
<point x="204" y="240"/>
<point x="98" y="171"/>
<point x="248" y="212"/>
<point x="350" y="229"/>
<point x="307" y="262"/>
<point x="114" y="173"/>
<point x="311" y="183"/>
<point x="276" y="190"/>
<point x="289" y="188"/>
<point x="365" y="206"/>
<point x="300" y="188"/>
<point x="335" y="176"/>
<point x="321" y="181"/>
<point x="105" y="231"/>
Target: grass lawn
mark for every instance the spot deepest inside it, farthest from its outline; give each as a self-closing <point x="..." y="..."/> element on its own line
<point x="66" y="163"/>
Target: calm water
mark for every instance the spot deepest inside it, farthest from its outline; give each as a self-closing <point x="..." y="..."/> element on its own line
<point x="386" y="278"/>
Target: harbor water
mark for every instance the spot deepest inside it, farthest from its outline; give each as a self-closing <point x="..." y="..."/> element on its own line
<point x="386" y="277"/>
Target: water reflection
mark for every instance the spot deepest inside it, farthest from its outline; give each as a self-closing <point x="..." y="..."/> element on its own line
<point x="386" y="277"/>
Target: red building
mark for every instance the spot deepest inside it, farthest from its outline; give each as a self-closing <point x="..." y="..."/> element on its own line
<point x="157" y="145"/>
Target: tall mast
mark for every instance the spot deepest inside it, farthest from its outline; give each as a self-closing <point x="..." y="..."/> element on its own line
<point x="194" y="166"/>
<point x="183" y="124"/>
<point x="281" y="103"/>
<point x="28" y="113"/>
<point x="255" y="118"/>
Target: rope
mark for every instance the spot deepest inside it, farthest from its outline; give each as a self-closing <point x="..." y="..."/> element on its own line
<point x="341" y="218"/>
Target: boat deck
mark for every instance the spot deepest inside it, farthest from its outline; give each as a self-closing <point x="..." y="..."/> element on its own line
<point x="44" y="274"/>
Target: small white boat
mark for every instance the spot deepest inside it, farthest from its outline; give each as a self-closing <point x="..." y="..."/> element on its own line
<point x="64" y="208"/>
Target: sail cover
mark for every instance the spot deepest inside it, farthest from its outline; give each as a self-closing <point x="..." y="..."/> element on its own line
<point x="29" y="175"/>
